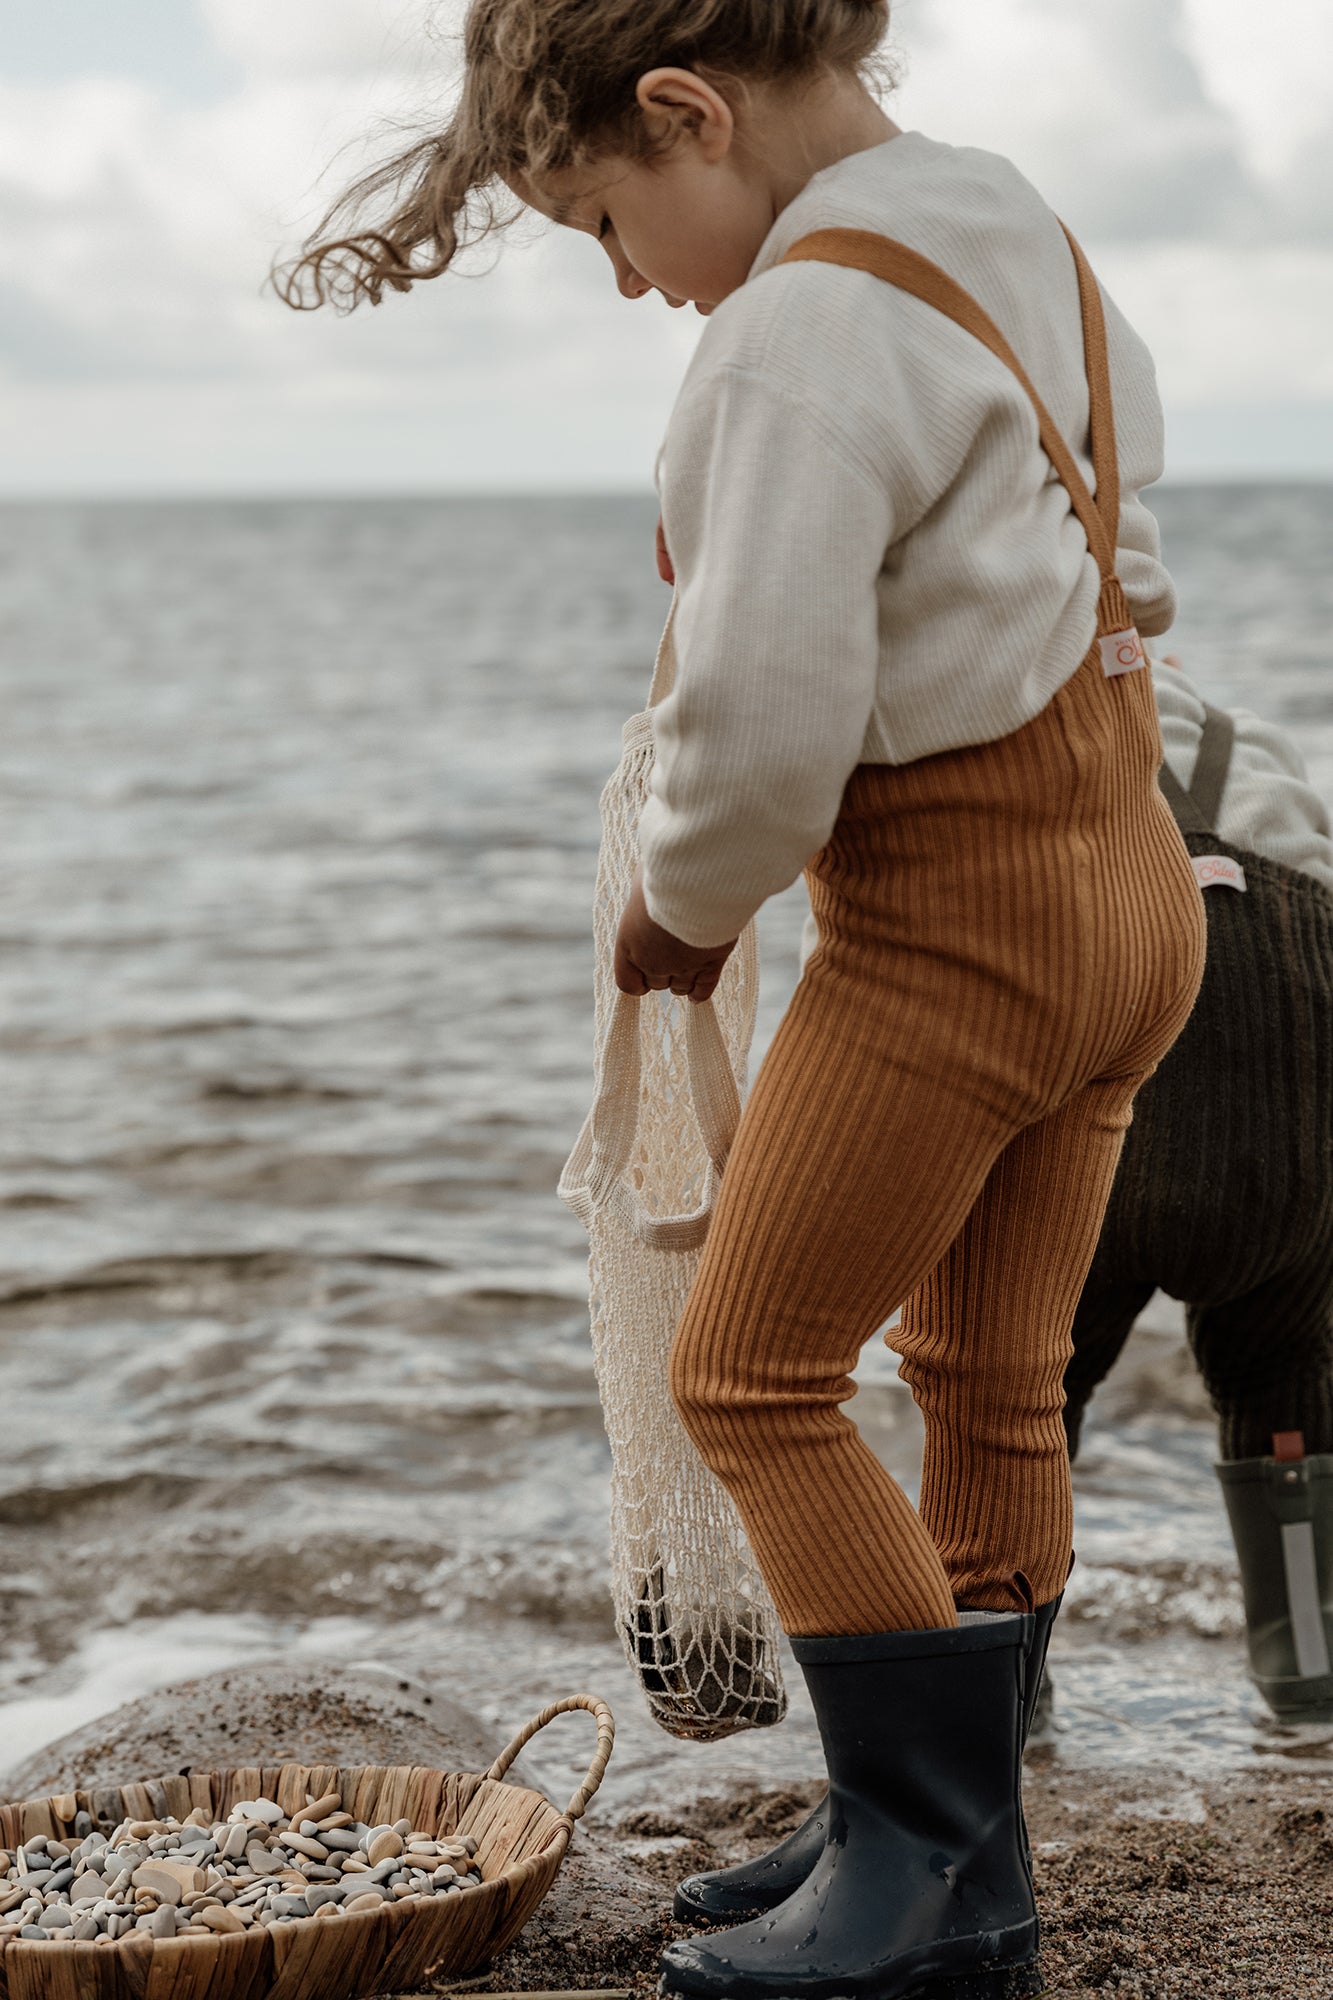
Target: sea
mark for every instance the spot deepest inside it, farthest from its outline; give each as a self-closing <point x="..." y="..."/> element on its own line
<point x="299" y="813"/>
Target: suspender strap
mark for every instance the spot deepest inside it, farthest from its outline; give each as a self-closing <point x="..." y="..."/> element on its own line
<point x="1196" y="810"/>
<point x="896" y="264"/>
<point x="1212" y="763"/>
<point x="1183" y="809"/>
<point x="1101" y="410"/>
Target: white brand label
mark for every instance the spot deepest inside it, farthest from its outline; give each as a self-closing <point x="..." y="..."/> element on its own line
<point x="1219" y="871"/>
<point x="1122" y="653"/>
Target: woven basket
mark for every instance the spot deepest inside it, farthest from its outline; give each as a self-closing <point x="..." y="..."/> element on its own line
<point x="521" y="1841"/>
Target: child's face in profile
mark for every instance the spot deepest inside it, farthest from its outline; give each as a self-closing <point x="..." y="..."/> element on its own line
<point x="687" y="222"/>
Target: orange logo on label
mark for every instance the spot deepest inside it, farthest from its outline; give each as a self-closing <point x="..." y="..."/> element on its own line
<point x="1122" y="653"/>
<point x="1219" y="871"/>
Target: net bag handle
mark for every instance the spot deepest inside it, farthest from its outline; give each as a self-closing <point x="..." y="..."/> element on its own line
<point x="601" y="1756"/>
<point x="595" y="1178"/>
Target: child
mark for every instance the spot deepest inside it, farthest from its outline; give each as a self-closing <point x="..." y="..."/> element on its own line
<point x="906" y="664"/>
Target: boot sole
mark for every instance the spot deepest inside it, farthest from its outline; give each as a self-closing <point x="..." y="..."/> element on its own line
<point x="1012" y="1973"/>
<point x="686" y="1912"/>
<point x="1023" y="1982"/>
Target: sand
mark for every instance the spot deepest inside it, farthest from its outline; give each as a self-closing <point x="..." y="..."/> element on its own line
<point x="1232" y="1903"/>
<point x="1149" y="1885"/>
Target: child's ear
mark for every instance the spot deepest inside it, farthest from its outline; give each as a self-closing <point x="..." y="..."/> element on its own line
<point x="680" y="101"/>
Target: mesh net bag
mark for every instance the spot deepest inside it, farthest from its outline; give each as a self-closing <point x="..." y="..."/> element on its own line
<point x="698" y="1626"/>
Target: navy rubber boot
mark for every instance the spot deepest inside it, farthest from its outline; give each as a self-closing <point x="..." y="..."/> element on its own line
<point x="924" y="1874"/>
<point x="727" y="1895"/>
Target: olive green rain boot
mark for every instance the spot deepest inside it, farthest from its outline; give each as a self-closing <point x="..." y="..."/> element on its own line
<point x="1281" y="1511"/>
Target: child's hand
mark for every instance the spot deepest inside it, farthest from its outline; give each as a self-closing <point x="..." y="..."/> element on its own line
<point x="665" y="567"/>
<point x="650" y="960"/>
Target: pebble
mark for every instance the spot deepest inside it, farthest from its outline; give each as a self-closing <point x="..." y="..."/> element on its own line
<point x="304" y="1845"/>
<point x="267" y="1811"/>
<point x="165" y="1878"/>
<point x="219" y="1918"/>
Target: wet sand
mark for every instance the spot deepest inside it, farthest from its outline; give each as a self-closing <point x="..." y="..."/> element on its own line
<point x="1151" y="1884"/>
<point x="1234" y="1903"/>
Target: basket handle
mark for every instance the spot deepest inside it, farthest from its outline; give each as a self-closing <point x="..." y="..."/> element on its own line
<point x="601" y="1756"/>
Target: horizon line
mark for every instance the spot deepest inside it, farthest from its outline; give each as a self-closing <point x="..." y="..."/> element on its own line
<point x="347" y="495"/>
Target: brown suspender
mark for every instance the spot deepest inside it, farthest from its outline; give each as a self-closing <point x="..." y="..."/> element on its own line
<point x="882" y="257"/>
<point x="1101" y="410"/>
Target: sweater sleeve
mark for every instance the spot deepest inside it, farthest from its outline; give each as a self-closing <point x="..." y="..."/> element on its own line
<point x="778" y="538"/>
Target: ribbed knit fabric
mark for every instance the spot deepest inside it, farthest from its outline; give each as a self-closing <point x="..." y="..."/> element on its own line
<point x="1224" y="1196"/>
<point x="1010" y="939"/>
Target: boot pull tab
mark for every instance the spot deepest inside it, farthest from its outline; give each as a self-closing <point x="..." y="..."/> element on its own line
<point x="1289" y="1495"/>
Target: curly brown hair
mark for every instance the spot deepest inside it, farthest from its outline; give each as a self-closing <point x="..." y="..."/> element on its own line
<point x="549" y="84"/>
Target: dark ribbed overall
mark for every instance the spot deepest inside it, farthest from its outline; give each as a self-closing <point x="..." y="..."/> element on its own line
<point x="1011" y="938"/>
<point x="1224" y="1195"/>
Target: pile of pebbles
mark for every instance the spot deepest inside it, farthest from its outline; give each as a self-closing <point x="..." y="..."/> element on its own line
<point x="176" y="1878"/>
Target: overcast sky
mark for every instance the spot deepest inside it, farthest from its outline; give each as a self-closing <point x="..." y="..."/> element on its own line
<point x="155" y="153"/>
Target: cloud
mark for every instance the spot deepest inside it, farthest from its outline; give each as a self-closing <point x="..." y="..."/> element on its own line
<point x="1270" y="68"/>
<point x="1103" y="105"/>
<point x="1228" y="323"/>
<point x="139" y="347"/>
<point x="313" y="37"/>
<point x="136" y="229"/>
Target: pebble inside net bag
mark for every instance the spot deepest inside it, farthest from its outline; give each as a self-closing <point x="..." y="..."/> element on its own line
<point x="698" y="1626"/>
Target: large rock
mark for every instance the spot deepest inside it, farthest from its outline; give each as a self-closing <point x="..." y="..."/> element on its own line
<point x="279" y="1713"/>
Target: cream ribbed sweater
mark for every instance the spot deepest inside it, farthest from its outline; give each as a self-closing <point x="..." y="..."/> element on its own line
<point x="1268" y="804"/>
<point x="874" y="559"/>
